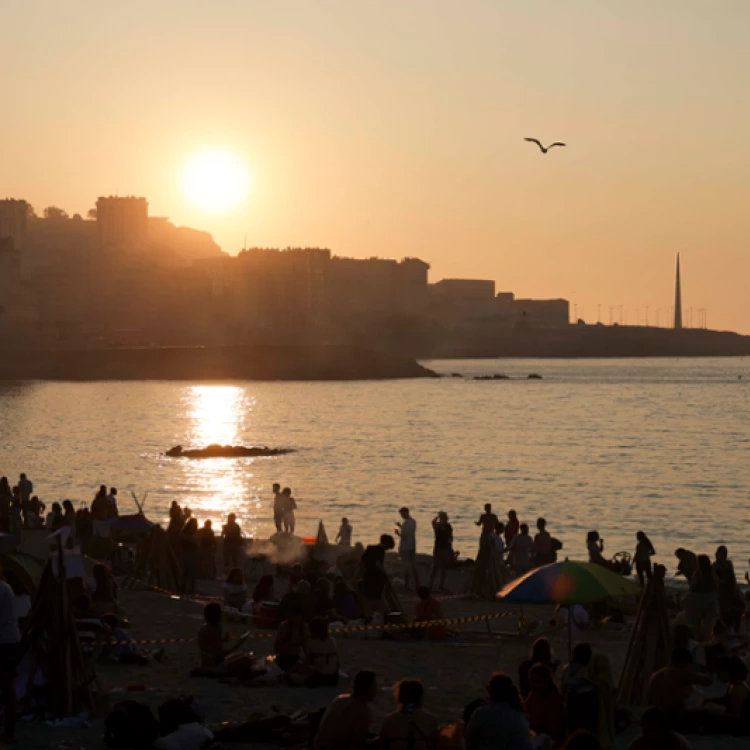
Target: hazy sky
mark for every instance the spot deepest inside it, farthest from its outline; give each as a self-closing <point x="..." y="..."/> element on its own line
<point x="395" y="127"/>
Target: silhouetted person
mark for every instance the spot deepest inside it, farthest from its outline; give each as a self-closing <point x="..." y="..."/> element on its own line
<point x="644" y="551"/>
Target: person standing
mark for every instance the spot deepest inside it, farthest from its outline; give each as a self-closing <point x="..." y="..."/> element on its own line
<point x="488" y="521"/>
<point x="543" y="554"/>
<point x="10" y="639"/>
<point x="189" y="556"/>
<point x="279" y="504"/>
<point x="6" y="498"/>
<point x="344" y="537"/>
<point x="730" y="599"/>
<point x="26" y="486"/>
<point x="644" y="550"/>
<point x="442" y="553"/>
<point x="406" y="531"/>
<point x="519" y="552"/>
<point x="290" y="505"/>
<point x="112" y="500"/>
<point x="231" y="536"/>
<point x="207" y="547"/>
<point x="511" y="528"/>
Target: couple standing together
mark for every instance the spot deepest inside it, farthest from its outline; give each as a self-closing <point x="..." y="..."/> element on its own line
<point x="284" y="506"/>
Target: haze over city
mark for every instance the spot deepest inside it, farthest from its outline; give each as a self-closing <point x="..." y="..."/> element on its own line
<point x="397" y="130"/>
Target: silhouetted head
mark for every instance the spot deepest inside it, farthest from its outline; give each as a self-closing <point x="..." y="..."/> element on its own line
<point x="512" y="515"/>
<point x="409" y="693"/>
<point x="207" y="524"/>
<point x="387" y="541"/>
<point x="276" y="487"/>
<point x="113" y="491"/>
<point x="56" y="508"/>
<point x="524" y="529"/>
<point x="404" y="512"/>
<point x="541" y="651"/>
<point x="22" y="477"/>
<point x="488" y="508"/>
<point x="443" y="517"/>
<point x="680" y="659"/>
<point x="102" y="489"/>
<point x="722" y="553"/>
<point x="682" y="636"/>
<point x="68" y="505"/>
<point x="680" y="553"/>
<point x="286" y="491"/>
<point x="592" y="536"/>
<point x="640" y="536"/>
<point x="235" y="577"/>
<point x="541" y="524"/>
<point x="582" y="654"/>
<point x="345" y="520"/>
<point x="191" y="526"/>
<point x="499" y="527"/>
<point x="502" y="690"/>
<point x="365" y="686"/>
<point x="212" y="613"/>
<point x="704" y="565"/>
<point x="231" y="518"/>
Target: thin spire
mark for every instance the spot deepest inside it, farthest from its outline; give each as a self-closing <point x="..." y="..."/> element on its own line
<point x="678" y="298"/>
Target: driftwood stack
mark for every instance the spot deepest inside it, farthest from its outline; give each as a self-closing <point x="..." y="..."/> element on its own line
<point x="51" y="641"/>
<point x="650" y="643"/>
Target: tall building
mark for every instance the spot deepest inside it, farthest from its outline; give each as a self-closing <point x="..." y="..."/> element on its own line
<point x="13" y="217"/>
<point x="122" y="224"/>
<point x="678" y="298"/>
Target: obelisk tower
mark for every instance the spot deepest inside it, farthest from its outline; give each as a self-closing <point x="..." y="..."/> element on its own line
<point x="678" y="298"/>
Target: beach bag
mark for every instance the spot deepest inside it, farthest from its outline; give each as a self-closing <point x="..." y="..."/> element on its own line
<point x="130" y="725"/>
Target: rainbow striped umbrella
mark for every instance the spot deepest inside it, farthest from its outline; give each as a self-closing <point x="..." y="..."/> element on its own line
<point x="568" y="582"/>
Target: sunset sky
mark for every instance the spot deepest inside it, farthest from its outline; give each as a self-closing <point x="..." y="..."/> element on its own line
<point x="395" y="128"/>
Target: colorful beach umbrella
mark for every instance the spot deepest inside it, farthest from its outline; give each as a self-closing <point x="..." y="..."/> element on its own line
<point x="568" y="582"/>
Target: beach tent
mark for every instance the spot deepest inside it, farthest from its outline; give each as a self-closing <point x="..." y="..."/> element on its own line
<point x="26" y="568"/>
<point x="156" y="563"/>
<point x="650" y="643"/>
<point x="488" y="574"/>
<point x="50" y="643"/>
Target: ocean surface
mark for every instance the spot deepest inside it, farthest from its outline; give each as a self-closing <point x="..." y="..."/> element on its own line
<point x="661" y="445"/>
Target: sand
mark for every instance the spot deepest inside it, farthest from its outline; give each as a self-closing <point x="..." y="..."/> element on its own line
<point x="454" y="673"/>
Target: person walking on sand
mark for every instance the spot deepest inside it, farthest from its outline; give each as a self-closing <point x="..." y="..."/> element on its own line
<point x="344" y="537"/>
<point x="279" y="503"/>
<point x="406" y="531"/>
<point x="442" y="553"/>
<point x="644" y="550"/>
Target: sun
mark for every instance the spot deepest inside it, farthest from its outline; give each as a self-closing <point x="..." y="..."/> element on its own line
<point x="214" y="181"/>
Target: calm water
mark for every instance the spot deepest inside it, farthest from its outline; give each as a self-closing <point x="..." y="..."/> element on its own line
<point x="616" y="445"/>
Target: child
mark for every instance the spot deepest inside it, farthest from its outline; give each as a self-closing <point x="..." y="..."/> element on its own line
<point x="344" y="537"/>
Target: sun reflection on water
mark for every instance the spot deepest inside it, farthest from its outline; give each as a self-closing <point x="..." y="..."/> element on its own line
<point x="219" y="486"/>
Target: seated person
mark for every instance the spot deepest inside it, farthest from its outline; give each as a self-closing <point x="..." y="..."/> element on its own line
<point x="429" y="609"/>
<point x="235" y="589"/>
<point x="214" y="656"/>
<point x="409" y="728"/>
<point x="292" y="640"/>
<point x="544" y="705"/>
<point x="347" y="720"/>
<point x="670" y="688"/>
<point x="657" y="735"/>
<point x="321" y="665"/>
<point x="125" y="651"/>
<point x="735" y="718"/>
<point x="263" y="592"/>
<point x="344" y="601"/>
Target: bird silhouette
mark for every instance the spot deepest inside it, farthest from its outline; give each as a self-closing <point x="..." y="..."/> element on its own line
<point x="543" y="149"/>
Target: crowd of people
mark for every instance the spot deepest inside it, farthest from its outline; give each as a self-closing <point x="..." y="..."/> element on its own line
<point x="549" y="705"/>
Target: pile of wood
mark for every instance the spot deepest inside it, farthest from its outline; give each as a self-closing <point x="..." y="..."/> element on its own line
<point x="650" y="643"/>
<point x="156" y="562"/>
<point x="51" y="641"/>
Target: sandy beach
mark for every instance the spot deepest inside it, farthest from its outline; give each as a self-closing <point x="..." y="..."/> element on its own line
<point x="454" y="672"/>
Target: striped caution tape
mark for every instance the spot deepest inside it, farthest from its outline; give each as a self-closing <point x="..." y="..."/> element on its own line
<point x="355" y="629"/>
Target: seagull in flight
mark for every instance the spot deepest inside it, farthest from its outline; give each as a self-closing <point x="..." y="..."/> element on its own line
<point x="543" y="149"/>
